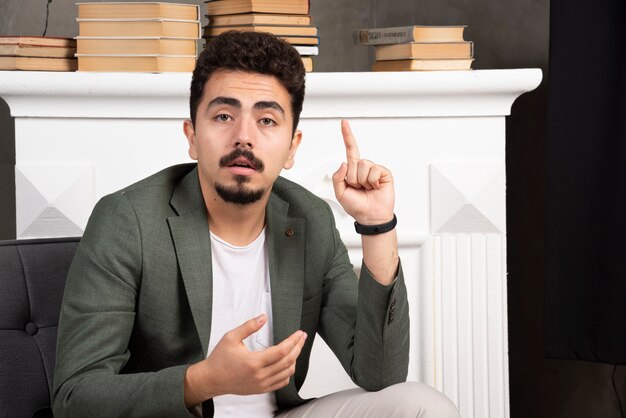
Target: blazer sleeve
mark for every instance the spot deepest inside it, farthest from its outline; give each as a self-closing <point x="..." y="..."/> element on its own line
<point x="365" y="323"/>
<point x="96" y="323"/>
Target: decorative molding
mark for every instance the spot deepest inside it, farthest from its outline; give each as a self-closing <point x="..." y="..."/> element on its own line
<point x="468" y="197"/>
<point x="329" y="95"/>
<point x="53" y="200"/>
<point x="470" y="322"/>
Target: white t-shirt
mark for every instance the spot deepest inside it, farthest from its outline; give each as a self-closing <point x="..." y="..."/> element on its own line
<point x="241" y="291"/>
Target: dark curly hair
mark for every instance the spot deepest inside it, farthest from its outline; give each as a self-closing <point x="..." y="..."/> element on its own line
<point x="255" y="52"/>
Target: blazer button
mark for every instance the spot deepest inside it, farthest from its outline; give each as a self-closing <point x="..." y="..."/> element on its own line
<point x="289" y="232"/>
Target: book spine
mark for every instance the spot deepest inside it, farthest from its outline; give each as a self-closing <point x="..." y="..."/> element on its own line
<point x="383" y="36"/>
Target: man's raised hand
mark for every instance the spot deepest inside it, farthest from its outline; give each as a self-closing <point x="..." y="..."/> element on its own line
<point x="364" y="189"/>
<point x="232" y="369"/>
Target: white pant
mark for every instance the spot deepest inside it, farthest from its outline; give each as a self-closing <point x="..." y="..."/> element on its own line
<point x="404" y="400"/>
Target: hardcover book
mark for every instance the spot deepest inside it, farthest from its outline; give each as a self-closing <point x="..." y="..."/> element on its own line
<point x="423" y="65"/>
<point x="308" y="64"/>
<point x="136" y="45"/>
<point x="138" y="10"/>
<point x="258" y="19"/>
<point x="37" y="64"/>
<point x="404" y="34"/>
<point x="136" y="63"/>
<point x="274" y="29"/>
<point x="293" y="40"/>
<point x="425" y="50"/>
<point x="38" y="41"/>
<point x="17" y="50"/>
<point x="139" y="27"/>
<point x="227" y="7"/>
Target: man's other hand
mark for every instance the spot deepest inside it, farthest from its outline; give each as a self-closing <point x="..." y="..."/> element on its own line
<point x="232" y="369"/>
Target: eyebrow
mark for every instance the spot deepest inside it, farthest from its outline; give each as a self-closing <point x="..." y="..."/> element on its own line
<point x="270" y="105"/>
<point x="220" y="100"/>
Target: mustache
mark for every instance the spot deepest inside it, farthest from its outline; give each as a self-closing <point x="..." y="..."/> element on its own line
<point x="227" y="160"/>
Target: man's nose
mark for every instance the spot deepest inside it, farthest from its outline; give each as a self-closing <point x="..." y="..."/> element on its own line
<point x="244" y="136"/>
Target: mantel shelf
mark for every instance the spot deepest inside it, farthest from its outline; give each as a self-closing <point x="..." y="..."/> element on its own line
<point x="365" y="94"/>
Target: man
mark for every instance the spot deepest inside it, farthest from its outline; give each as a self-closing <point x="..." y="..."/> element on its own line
<point x="200" y="289"/>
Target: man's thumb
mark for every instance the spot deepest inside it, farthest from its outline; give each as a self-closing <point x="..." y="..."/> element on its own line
<point x="249" y="327"/>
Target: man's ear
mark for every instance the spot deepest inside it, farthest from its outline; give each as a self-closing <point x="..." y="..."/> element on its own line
<point x="295" y="143"/>
<point x="190" y="133"/>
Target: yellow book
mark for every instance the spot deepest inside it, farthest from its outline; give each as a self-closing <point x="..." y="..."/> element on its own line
<point x="308" y="64"/>
<point x="136" y="63"/>
<point x="274" y="29"/>
<point x="36" y="51"/>
<point x="139" y="27"/>
<point x="38" y="41"/>
<point x="259" y="19"/>
<point x="37" y="64"/>
<point x="136" y="46"/>
<point x="227" y="7"/>
<point x="417" y="50"/>
<point x="294" y="40"/>
<point x="423" y="65"/>
<point x="134" y="10"/>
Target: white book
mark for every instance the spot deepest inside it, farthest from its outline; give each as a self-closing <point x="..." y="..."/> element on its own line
<point x="307" y="50"/>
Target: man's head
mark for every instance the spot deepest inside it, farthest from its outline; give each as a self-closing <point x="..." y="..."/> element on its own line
<point x="246" y="96"/>
<point x="255" y="53"/>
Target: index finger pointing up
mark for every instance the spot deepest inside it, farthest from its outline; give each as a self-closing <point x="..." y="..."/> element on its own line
<point x="352" y="149"/>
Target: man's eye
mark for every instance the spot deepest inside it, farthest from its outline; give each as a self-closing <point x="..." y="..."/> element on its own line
<point x="267" y="122"/>
<point x="223" y="118"/>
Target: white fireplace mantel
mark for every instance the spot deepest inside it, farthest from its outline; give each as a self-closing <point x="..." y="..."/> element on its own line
<point x="138" y="95"/>
<point x="79" y="136"/>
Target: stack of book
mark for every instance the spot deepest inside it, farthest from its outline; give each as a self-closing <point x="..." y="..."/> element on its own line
<point x="37" y="53"/>
<point x="418" y="48"/>
<point x="137" y="37"/>
<point x="287" y="19"/>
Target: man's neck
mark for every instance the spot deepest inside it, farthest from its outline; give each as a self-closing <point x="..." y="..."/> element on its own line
<point x="236" y="224"/>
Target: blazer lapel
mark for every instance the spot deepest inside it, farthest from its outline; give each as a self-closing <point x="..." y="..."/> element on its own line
<point x="285" y="238"/>
<point x="286" y="262"/>
<point x="190" y="234"/>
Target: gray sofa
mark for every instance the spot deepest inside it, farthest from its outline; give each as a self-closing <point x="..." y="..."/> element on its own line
<point x="32" y="277"/>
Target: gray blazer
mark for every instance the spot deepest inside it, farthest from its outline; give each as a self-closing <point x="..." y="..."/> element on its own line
<point x="137" y="303"/>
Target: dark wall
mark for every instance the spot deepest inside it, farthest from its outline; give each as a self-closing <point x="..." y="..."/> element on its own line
<point x="7" y="173"/>
<point x="508" y="34"/>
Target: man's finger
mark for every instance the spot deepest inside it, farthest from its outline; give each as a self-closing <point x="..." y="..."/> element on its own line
<point x="363" y="173"/>
<point x="374" y="176"/>
<point x="276" y="353"/>
<point x="287" y="361"/>
<point x="352" y="149"/>
<point x="246" y="329"/>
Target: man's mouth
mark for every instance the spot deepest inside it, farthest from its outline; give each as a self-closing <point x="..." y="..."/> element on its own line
<point x="242" y="162"/>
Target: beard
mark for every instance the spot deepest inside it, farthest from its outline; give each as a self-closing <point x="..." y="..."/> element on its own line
<point x="240" y="194"/>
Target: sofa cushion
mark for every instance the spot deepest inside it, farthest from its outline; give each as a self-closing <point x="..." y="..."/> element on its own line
<point x="32" y="277"/>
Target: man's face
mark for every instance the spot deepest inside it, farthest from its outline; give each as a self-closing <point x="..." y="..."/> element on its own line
<point x="242" y="138"/>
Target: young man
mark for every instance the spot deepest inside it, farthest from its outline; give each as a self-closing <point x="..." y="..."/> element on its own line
<point x="200" y="289"/>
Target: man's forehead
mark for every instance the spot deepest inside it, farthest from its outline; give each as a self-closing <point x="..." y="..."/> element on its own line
<point x="249" y="87"/>
<point x="246" y="80"/>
